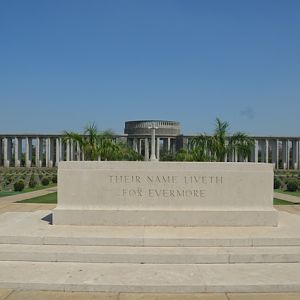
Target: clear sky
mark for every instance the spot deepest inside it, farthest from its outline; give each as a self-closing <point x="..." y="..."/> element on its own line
<point x="64" y="63"/>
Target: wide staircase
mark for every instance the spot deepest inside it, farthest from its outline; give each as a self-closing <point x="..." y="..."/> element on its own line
<point x="37" y="255"/>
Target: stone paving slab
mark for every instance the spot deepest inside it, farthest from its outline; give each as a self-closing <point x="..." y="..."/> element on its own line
<point x="147" y="278"/>
<point x="57" y="295"/>
<point x="264" y="296"/>
<point x="155" y="296"/>
<point x="4" y="293"/>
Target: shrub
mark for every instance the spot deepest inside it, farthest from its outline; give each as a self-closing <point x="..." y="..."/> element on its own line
<point x="19" y="185"/>
<point x="292" y="185"/>
<point x="45" y="181"/>
<point x="32" y="183"/>
<point x="54" y="178"/>
<point x="277" y="183"/>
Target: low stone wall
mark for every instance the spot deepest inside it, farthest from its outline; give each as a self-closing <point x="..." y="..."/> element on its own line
<point x="165" y="194"/>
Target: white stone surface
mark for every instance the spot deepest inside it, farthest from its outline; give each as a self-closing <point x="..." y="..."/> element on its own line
<point x="33" y="228"/>
<point x="167" y="194"/>
<point x="150" y="277"/>
<point x="37" y="255"/>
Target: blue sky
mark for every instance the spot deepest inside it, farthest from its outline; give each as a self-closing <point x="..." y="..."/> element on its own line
<point x="64" y="63"/>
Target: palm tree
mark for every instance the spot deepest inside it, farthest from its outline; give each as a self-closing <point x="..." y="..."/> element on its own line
<point x="100" y="145"/>
<point x="220" y="145"/>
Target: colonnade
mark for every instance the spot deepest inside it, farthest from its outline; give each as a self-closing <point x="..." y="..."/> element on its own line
<point x="283" y="152"/>
<point x="49" y="150"/>
<point x="37" y="151"/>
<point x="142" y="145"/>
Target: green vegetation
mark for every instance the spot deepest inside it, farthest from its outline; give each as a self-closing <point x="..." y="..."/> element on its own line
<point x="215" y="147"/>
<point x="281" y="202"/>
<point x="26" y="190"/>
<point x="101" y="145"/>
<point x="296" y="194"/>
<point x="19" y="185"/>
<point x="49" y="198"/>
<point x="10" y="179"/>
<point x="45" y="181"/>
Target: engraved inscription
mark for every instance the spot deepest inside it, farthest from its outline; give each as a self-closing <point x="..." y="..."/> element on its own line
<point x="164" y="186"/>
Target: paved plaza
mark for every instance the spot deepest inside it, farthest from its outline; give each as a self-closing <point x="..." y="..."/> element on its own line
<point x="8" y="205"/>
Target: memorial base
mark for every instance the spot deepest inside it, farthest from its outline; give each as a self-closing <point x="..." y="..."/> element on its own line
<point x="182" y="218"/>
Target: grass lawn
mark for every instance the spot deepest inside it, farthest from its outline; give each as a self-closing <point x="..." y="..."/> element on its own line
<point x="49" y="198"/>
<point x="281" y="202"/>
<point x="27" y="190"/>
<point x="297" y="194"/>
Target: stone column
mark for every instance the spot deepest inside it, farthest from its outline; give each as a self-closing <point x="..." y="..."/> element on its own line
<point x="57" y="151"/>
<point x="78" y="151"/>
<point x="39" y="152"/>
<point x="1" y="151"/>
<point x="298" y="154"/>
<point x="7" y="152"/>
<point x="71" y="150"/>
<point x="146" y="149"/>
<point x="169" y="144"/>
<point x="158" y="148"/>
<point x="153" y="156"/>
<point x="254" y="152"/>
<point x="68" y="151"/>
<point x="18" y="151"/>
<point x="295" y="148"/>
<point x="285" y="154"/>
<point x="49" y="152"/>
<point x="135" y="145"/>
<point x="47" y="148"/>
<point x="28" y="152"/>
<point x="266" y="151"/>
<point x="61" y="150"/>
<point x="275" y="153"/>
<point x="140" y="146"/>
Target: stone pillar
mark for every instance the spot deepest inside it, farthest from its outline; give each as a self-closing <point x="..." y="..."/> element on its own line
<point x="1" y="151"/>
<point x="236" y="158"/>
<point x="158" y="148"/>
<point x="266" y="151"/>
<point x="135" y="145"/>
<point x="169" y="144"/>
<point x="146" y="149"/>
<point x="39" y="152"/>
<point x="61" y="150"/>
<point x="140" y="146"/>
<point x="298" y="154"/>
<point x="275" y="153"/>
<point x="28" y="152"/>
<point x="285" y="154"/>
<point x="57" y="151"/>
<point x="6" y="152"/>
<point x="254" y="152"/>
<point x="18" y="151"/>
<point x="49" y="152"/>
<point x="153" y="156"/>
<point x="78" y="151"/>
<point x="71" y="150"/>
<point x="68" y="151"/>
<point x="295" y="148"/>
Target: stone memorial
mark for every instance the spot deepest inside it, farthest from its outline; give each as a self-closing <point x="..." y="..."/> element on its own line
<point x="165" y="194"/>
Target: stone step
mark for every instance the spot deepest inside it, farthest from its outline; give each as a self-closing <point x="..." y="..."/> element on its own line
<point x="149" y="255"/>
<point x="34" y="228"/>
<point x="182" y="278"/>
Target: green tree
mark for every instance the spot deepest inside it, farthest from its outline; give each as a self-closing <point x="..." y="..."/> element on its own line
<point x="219" y="145"/>
<point x="101" y="145"/>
